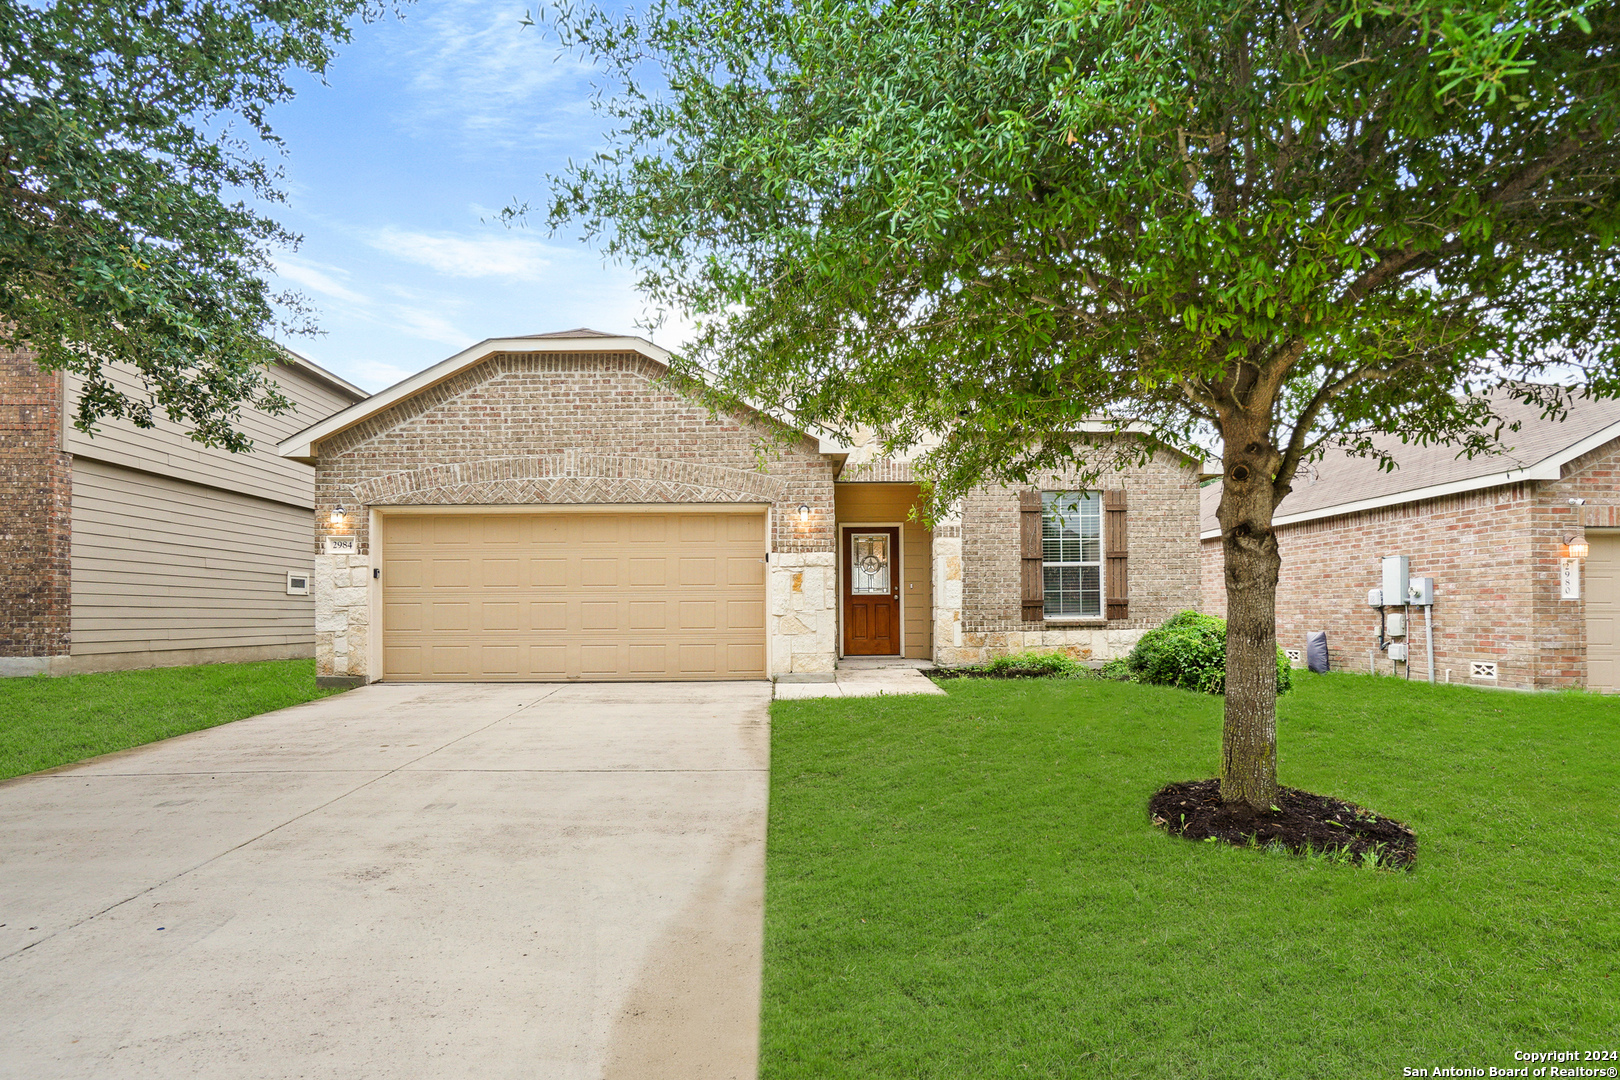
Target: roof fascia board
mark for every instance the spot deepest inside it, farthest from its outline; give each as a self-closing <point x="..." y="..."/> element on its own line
<point x="1585" y="446"/>
<point x="301" y="447"/>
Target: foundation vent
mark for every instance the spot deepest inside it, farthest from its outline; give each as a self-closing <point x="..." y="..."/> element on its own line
<point x="1482" y="669"/>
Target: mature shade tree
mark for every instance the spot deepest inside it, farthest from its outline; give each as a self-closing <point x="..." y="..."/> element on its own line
<point x="1289" y="225"/>
<point x="128" y="131"/>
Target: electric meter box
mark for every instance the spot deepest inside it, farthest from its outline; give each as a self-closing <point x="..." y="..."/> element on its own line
<point x="1421" y="592"/>
<point x="1397" y="571"/>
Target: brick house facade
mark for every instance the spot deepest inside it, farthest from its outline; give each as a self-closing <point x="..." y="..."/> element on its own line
<point x="1493" y="548"/>
<point x="563" y="426"/>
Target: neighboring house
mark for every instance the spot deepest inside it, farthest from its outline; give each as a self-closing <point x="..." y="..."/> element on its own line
<point x="545" y="507"/>
<point x="141" y="548"/>
<point x="1491" y="532"/>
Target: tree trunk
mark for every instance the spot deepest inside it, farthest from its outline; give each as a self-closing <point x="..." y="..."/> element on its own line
<point x="1249" y="735"/>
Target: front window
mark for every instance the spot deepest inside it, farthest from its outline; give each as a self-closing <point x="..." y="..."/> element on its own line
<point x="1071" y="553"/>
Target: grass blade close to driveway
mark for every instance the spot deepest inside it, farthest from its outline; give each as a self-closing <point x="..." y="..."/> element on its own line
<point x="47" y="721"/>
<point x="969" y="886"/>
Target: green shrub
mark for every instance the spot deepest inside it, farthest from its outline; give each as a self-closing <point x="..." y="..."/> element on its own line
<point x="1189" y="651"/>
<point x="1118" y="669"/>
<point x="1030" y="665"/>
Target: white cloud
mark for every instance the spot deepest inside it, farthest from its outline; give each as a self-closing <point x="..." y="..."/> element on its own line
<point x="427" y="326"/>
<point x="315" y="277"/>
<point x="474" y="66"/>
<point x="504" y="256"/>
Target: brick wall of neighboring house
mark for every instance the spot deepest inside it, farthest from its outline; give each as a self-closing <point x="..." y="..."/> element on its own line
<point x="577" y="428"/>
<point x="36" y="509"/>
<point x="1163" y="566"/>
<point x="1493" y="555"/>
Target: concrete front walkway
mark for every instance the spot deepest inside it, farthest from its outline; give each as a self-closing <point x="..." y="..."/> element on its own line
<point x="539" y="881"/>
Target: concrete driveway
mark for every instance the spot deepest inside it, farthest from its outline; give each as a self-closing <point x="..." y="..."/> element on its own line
<point x="540" y="881"/>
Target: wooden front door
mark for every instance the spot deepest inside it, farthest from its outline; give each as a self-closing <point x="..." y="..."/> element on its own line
<point x="871" y="592"/>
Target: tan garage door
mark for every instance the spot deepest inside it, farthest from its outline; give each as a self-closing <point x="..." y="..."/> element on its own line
<point x="1603" y="610"/>
<point x="547" y="596"/>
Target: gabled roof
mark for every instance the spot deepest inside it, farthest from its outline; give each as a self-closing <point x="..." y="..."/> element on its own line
<point x="1341" y="484"/>
<point x="301" y="447"/>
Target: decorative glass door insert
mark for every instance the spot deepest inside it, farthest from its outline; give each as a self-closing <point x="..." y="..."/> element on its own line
<point x="869" y="569"/>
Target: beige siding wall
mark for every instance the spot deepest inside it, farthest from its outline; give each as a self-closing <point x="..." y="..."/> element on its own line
<point x="166" y="450"/>
<point x="881" y="504"/>
<point x="167" y="571"/>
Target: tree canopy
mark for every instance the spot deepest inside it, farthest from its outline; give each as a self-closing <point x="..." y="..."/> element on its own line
<point x="1271" y="227"/>
<point x="129" y="139"/>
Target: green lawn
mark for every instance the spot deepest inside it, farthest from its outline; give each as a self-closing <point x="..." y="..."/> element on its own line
<point x="48" y="721"/>
<point x="969" y="886"/>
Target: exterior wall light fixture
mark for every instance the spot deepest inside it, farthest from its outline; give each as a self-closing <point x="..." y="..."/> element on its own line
<point x="804" y="513"/>
<point x="1575" y="547"/>
<point x="337" y="515"/>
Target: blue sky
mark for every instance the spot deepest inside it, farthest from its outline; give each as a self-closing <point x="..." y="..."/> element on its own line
<point x="395" y="172"/>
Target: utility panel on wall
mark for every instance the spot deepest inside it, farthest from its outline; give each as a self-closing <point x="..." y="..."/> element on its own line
<point x="1397" y="575"/>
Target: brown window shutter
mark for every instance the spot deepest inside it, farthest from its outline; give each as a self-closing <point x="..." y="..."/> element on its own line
<point x="1116" y="580"/>
<point x="1033" y="579"/>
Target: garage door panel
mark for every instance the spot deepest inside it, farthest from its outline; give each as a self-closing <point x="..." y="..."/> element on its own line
<point x="548" y="615"/>
<point x="452" y="531"/>
<point x="599" y="615"/>
<point x="500" y="573"/>
<point x="548" y="661"/>
<point x="746" y="529"/>
<point x="698" y="660"/>
<point x="450" y="660"/>
<point x="501" y="615"/>
<point x="449" y="573"/>
<point x="697" y="529"/>
<point x="696" y="572"/>
<point x="450" y="616"/>
<point x="398" y="616"/>
<point x="548" y="573"/>
<point x="552" y="596"/>
<point x="499" y="659"/>
<point x="403" y="660"/>
<point x="649" y="529"/>
<point x="503" y="529"/>
<point x="649" y="615"/>
<point x="649" y="572"/>
<point x="649" y="660"/>
<point x="697" y="615"/>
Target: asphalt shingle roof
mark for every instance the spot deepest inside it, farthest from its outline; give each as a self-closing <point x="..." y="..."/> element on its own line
<point x="1339" y="479"/>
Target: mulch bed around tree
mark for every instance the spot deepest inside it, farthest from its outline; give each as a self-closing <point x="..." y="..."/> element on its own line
<point x="1302" y="822"/>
